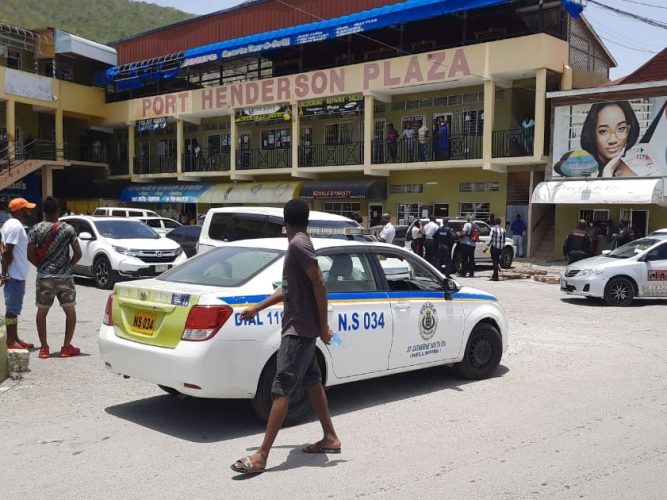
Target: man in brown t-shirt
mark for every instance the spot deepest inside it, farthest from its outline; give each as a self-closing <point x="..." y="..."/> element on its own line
<point x="305" y="319"/>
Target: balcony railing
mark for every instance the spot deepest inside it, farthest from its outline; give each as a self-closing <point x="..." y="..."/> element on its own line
<point x="508" y="143"/>
<point x="251" y="159"/>
<point x="218" y="162"/>
<point x="91" y="153"/>
<point x="324" y="155"/>
<point x="154" y="164"/>
<point x="458" y="147"/>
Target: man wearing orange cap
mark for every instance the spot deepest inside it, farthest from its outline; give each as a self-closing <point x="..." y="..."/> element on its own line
<point x="15" y="268"/>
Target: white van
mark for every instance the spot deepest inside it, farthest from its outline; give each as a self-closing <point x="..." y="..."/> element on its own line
<point x="226" y="224"/>
<point x="124" y="212"/>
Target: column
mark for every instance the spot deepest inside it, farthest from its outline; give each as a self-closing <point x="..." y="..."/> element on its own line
<point x="10" y="120"/>
<point x="47" y="181"/>
<point x="131" y="149"/>
<point x="540" y="106"/>
<point x="296" y="137"/>
<point x="60" y="135"/>
<point x="233" y="140"/>
<point x="489" y="111"/>
<point x="369" y="132"/>
<point x="180" y="146"/>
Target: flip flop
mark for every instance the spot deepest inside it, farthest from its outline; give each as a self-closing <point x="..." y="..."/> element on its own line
<point x="318" y="448"/>
<point x="246" y="467"/>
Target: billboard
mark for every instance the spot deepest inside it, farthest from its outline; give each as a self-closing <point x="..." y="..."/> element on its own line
<point x="615" y="138"/>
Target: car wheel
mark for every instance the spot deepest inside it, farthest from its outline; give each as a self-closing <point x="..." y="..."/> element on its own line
<point x="103" y="273"/>
<point x="299" y="405"/>
<point x="506" y="258"/>
<point x="619" y="292"/>
<point x="482" y="354"/>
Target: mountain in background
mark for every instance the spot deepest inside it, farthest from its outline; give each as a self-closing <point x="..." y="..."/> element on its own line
<point x="99" y="20"/>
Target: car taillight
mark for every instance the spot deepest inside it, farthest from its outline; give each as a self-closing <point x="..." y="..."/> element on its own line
<point x="204" y="322"/>
<point x="108" y="311"/>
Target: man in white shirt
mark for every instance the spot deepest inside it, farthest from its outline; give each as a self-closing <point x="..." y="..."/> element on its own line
<point x="15" y="268"/>
<point x="422" y="137"/>
<point x="388" y="231"/>
<point x="429" y="231"/>
<point x="409" y="140"/>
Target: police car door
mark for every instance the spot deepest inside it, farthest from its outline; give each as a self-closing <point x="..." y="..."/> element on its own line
<point x="655" y="278"/>
<point x="427" y="328"/>
<point x="358" y="311"/>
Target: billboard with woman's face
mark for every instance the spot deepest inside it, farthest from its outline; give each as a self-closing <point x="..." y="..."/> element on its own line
<point x="623" y="138"/>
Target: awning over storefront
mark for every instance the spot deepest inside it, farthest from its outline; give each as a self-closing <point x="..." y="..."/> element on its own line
<point x="328" y="190"/>
<point x="252" y="192"/>
<point x="602" y="192"/>
<point x="164" y="193"/>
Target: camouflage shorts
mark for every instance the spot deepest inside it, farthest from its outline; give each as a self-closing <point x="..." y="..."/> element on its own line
<point x="49" y="288"/>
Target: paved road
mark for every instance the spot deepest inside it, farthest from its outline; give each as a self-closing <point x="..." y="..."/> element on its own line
<point x="578" y="409"/>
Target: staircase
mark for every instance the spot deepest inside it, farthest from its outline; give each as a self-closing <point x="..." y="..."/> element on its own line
<point x="543" y="246"/>
<point x="39" y="153"/>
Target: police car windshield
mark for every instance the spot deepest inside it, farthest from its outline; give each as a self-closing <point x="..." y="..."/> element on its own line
<point x="125" y="230"/>
<point x="633" y="248"/>
<point x="223" y="267"/>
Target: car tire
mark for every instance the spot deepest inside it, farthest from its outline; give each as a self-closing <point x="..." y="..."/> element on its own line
<point x="483" y="352"/>
<point x="103" y="273"/>
<point x="299" y="405"/>
<point x="619" y="292"/>
<point x="506" y="258"/>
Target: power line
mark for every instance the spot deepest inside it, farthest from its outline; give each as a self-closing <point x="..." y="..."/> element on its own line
<point x="627" y="46"/>
<point x="657" y="24"/>
<point x="647" y="4"/>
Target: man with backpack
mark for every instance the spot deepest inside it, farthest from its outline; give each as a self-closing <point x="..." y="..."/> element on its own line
<point x="443" y="240"/>
<point x="48" y="250"/>
<point x="469" y="237"/>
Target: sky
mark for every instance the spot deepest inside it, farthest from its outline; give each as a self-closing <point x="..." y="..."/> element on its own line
<point x="631" y="42"/>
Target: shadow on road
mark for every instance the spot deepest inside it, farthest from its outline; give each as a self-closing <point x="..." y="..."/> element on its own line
<point x="213" y="420"/>
<point x="597" y="302"/>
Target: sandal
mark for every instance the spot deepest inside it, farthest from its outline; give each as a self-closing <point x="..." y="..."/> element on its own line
<point x="44" y="352"/>
<point x="245" y="466"/>
<point x="26" y="345"/>
<point x="318" y="448"/>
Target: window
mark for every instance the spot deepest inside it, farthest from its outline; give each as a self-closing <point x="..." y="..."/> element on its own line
<point x="276" y="139"/>
<point x="476" y="210"/>
<point x="484" y="229"/>
<point x="345" y="209"/>
<point x="347" y="273"/>
<point x="170" y="224"/>
<point x="414" y="121"/>
<point x="478" y="187"/>
<point x="407" y="212"/>
<point x="406" y="188"/>
<point x="134" y="213"/>
<point x="339" y="133"/>
<point x="473" y="122"/>
<point x="594" y="215"/>
<point x="659" y="253"/>
<point x="13" y="59"/>
<point x="119" y="213"/>
<point x="404" y="273"/>
<point x="154" y="223"/>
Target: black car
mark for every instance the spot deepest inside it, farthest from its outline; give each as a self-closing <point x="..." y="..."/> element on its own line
<point x="187" y="237"/>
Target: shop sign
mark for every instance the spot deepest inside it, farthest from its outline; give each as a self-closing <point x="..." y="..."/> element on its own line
<point x="345" y="105"/>
<point x="30" y="188"/>
<point x="621" y="138"/>
<point x="264" y="113"/>
<point x="150" y="124"/>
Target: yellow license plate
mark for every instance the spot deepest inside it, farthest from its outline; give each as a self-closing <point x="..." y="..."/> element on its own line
<point x="143" y="323"/>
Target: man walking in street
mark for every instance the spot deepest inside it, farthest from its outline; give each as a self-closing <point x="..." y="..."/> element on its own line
<point x="305" y="319"/>
<point x="518" y="229"/>
<point x="467" y="249"/>
<point x="496" y="243"/>
<point x="429" y="231"/>
<point x="388" y="231"/>
<point x="48" y="250"/>
<point x="443" y="240"/>
<point x="577" y="245"/>
<point x="15" y="268"/>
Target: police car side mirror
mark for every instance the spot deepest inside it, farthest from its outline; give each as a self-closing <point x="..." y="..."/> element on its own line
<point x="451" y="287"/>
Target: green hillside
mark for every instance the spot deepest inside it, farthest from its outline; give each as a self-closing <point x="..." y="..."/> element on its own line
<point x="99" y="20"/>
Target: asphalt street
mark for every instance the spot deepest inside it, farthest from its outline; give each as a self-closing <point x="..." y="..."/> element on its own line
<point x="578" y="409"/>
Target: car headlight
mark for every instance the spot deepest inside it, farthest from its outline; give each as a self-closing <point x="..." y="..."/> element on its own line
<point x="130" y="252"/>
<point x="178" y="251"/>
<point x="592" y="271"/>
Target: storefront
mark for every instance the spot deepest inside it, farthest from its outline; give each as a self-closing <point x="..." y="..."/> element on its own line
<point x="348" y="198"/>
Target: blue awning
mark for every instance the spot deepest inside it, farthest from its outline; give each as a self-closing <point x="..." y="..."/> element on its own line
<point x="164" y="193"/>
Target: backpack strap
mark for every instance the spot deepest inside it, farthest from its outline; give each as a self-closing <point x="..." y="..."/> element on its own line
<point x="52" y="233"/>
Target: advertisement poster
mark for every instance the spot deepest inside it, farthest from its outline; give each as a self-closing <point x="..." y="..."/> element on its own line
<point x="280" y="112"/>
<point x="348" y="105"/>
<point x="623" y="138"/>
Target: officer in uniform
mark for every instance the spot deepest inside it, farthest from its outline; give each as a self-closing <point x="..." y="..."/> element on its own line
<point x="443" y="240"/>
<point x="578" y="245"/>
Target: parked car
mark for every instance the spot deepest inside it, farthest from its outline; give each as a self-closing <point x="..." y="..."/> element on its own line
<point x="658" y="232"/>
<point x="162" y="225"/>
<point x="187" y="237"/>
<point x="399" y="239"/>
<point x="637" y="269"/>
<point x="227" y="224"/>
<point x="124" y="212"/>
<point x="506" y="256"/>
<point x="115" y="248"/>
<point x="186" y="334"/>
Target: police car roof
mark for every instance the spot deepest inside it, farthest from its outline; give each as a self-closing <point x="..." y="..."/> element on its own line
<point x="318" y="243"/>
<point x="277" y="212"/>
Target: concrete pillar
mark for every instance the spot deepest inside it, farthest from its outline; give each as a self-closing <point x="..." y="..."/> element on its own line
<point x="60" y="134"/>
<point x="540" y="107"/>
<point x="566" y="78"/>
<point x="234" y="141"/>
<point x="10" y="120"/>
<point x="47" y="181"/>
<point x="369" y="133"/>
<point x="131" y="149"/>
<point x="489" y="111"/>
<point x="180" y="145"/>
<point x="296" y="137"/>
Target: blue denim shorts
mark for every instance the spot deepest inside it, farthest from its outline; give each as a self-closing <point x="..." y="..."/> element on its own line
<point x="14" y="293"/>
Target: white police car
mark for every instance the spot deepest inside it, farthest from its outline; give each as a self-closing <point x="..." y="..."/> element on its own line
<point x="394" y="312"/>
<point x="637" y="269"/>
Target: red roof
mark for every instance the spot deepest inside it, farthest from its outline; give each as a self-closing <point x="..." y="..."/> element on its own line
<point x="654" y="69"/>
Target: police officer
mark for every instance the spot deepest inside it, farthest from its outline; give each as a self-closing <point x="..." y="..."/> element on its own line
<point x="577" y="245"/>
<point x="443" y="240"/>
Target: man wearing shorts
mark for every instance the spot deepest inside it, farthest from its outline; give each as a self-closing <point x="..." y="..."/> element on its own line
<point x="304" y="300"/>
<point x="15" y="268"/>
<point x="54" y="274"/>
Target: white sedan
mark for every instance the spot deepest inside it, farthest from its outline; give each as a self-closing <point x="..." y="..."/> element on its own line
<point x="637" y="269"/>
<point x="393" y="311"/>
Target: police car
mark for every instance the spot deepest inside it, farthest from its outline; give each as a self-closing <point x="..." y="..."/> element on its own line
<point x="393" y="311"/>
<point x="637" y="269"/>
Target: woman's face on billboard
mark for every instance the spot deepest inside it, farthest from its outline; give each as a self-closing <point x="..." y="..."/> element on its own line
<point x="611" y="132"/>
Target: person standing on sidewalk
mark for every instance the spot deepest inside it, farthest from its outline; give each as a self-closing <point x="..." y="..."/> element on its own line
<point x="48" y="250"/>
<point x="305" y="319"/>
<point x="429" y="231"/>
<point x="15" y="268"/>
<point x="518" y="228"/>
<point x="496" y="243"/>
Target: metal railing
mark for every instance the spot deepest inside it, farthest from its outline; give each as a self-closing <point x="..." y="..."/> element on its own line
<point x="509" y="143"/>
<point x="251" y="159"/>
<point x="457" y="147"/>
<point x="154" y="164"/>
<point x="218" y="162"/>
<point x="324" y="155"/>
<point x="90" y="153"/>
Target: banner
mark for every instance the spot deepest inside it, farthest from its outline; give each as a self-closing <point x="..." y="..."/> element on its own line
<point x="345" y="105"/>
<point x="264" y="113"/>
<point x="622" y="138"/>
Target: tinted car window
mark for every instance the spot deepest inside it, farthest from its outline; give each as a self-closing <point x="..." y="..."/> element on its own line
<point x="220" y="227"/>
<point x="154" y="223"/>
<point x="484" y="230"/>
<point x="125" y="229"/>
<point x="118" y="213"/>
<point x="659" y="253"/>
<point x="134" y="213"/>
<point x="171" y="224"/>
